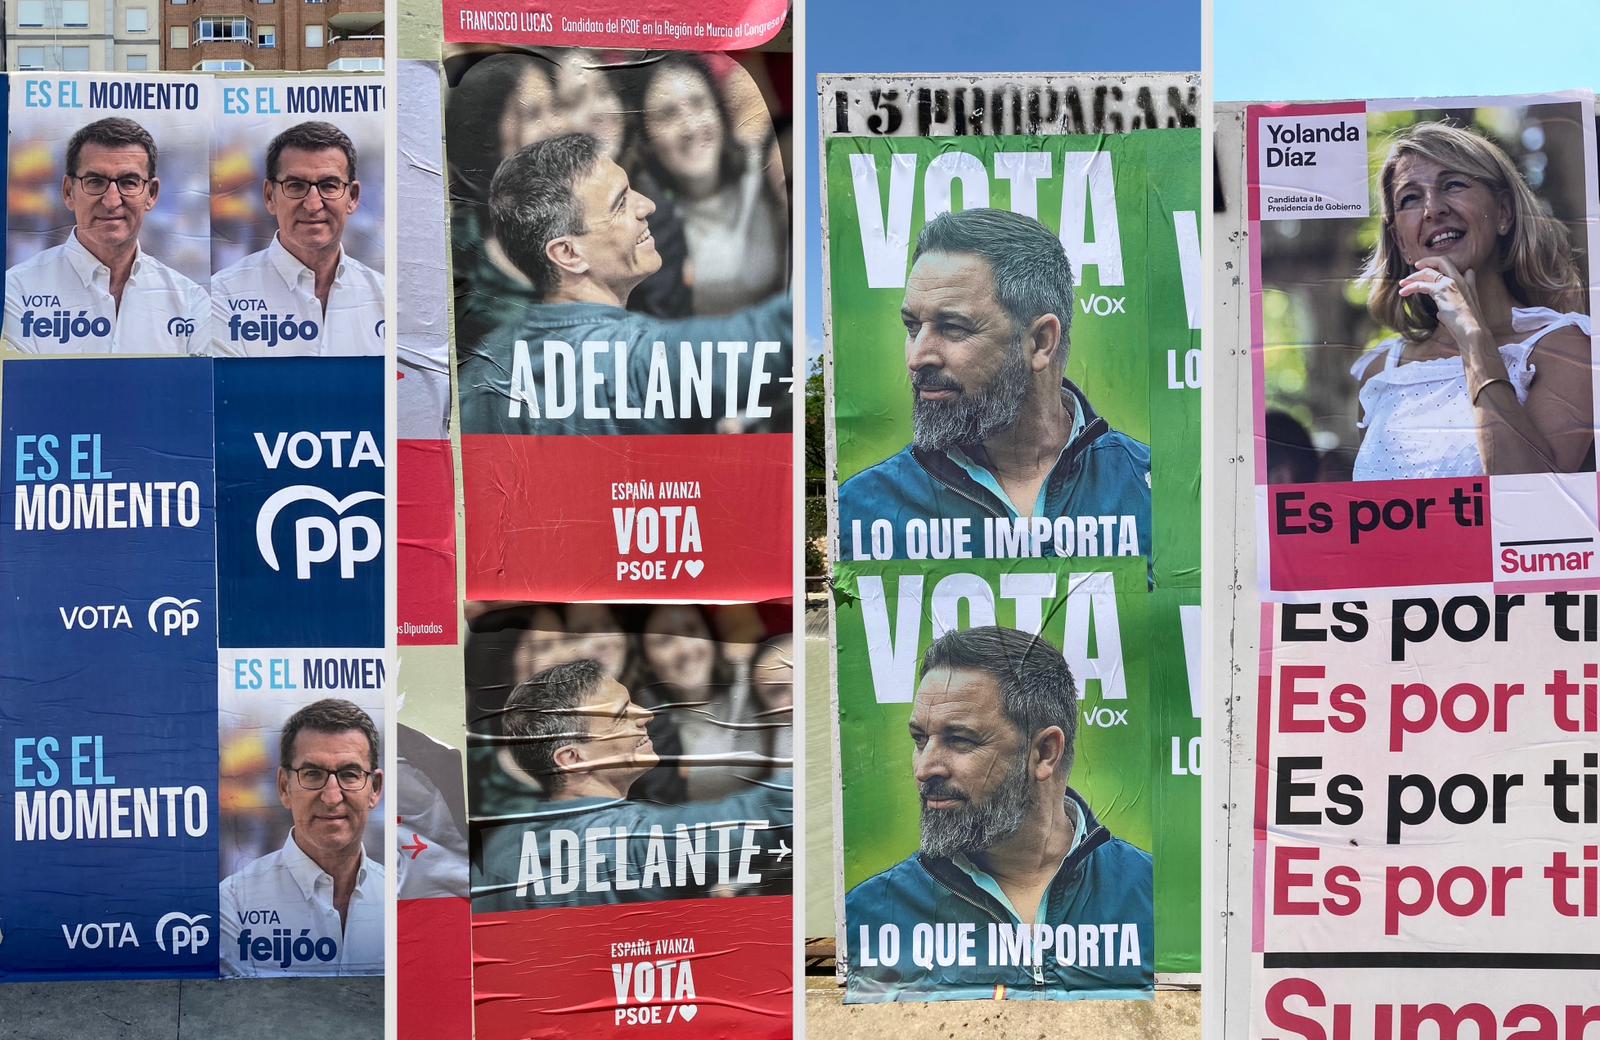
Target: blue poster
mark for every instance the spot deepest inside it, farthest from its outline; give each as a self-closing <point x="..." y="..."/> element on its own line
<point x="108" y="692"/>
<point x="300" y="486"/>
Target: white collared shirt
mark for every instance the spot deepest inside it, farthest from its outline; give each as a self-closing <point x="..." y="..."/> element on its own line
<point x="281" y="908"/>
<point x="59" y="302"/>
<point x="272" y="288"/>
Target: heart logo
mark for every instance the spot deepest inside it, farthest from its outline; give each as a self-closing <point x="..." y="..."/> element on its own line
<point x="688" y="1011"/>
<point x="694" y="567"/>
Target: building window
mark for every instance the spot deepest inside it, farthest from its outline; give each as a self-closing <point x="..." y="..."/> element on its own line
<point x="356" y="65"/>
<point x="138" y="19"/>
<point x="314" y="36"/>
<point x="75" y="14"/>
<point x="209" y="30"/>
<point x="138" y="62"/>
<point x="74" y="59"/>
<point x="266" y="36"/>
<point x="30" y="14"/>
<point x="225" y="65"/>
<point x="180" y="37"/>
<point x="30" y="59"/>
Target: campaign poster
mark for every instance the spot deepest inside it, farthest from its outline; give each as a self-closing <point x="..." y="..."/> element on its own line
<point x="1420" y="321"/>
<point x="623" y="326"/>
<point x="940" y="669"/>
<point x="297" y="205"/>
<point x="108" y="213"/>
<point x="301" y="875"/>
<point x="627" y="758"/>
<point x="705" y="25"/>
<point x="1424" y="816"/>
<point x="935" y="373"/>
<point x="426" y="511"/>
<point x="108" y="699"/>
<point x="300" y="490"/>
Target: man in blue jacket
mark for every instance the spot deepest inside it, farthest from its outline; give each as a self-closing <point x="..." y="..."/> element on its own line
<point x="578" y="733"/>
<point x="1018" y="891"/>
<point x="998" y="433"/>
<point x="578" y="362"/>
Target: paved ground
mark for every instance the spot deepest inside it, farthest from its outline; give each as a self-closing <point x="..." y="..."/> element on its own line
<point x="255" y="1009"/>
<point x="1171" y="1016"/>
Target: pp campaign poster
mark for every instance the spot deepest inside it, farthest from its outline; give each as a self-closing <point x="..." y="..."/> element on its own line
<point x="108" y="700"/>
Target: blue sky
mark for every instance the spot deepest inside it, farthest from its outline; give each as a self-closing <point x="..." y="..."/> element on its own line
<point x="1003" y="36"/>
<point x="1268" y="50"/>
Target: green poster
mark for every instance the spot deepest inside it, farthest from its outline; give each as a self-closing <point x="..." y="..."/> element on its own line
<point x="966" y="498"/>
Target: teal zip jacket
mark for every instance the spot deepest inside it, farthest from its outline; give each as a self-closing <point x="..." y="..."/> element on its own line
<point x="1100" y="910"/>
<point x="1100" y="474"/>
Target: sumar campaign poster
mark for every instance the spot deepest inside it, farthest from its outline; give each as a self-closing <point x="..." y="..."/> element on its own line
<point x="1423" y="706"/>
<point x="1085" y="580"/>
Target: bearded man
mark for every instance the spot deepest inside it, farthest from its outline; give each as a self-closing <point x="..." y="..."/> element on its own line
<point x="1023" y="893"/>
<point x="997" y="430"/>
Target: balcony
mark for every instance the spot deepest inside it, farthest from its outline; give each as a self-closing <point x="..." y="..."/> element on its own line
<point x="365" y="46"/>
<point x="356" y="17"/>
<point x="216" y="50"/>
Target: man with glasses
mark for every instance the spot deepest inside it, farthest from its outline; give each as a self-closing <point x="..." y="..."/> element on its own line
<point x="303" y="294"/>
<point x="99" y="292"/>
<point x="315" y="906"/>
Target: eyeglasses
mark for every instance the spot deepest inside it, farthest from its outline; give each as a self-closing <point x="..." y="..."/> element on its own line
<point x="313" y="778"/>
<point x="329" y="188"/>
<point x="128" y="185"/>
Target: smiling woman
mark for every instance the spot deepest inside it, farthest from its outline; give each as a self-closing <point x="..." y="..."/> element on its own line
<point x="1477" y="278"/>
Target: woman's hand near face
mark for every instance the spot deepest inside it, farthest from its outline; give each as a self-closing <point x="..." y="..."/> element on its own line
<point x="1456" y="297"/>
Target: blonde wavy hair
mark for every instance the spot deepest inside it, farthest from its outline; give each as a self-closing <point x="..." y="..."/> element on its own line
<point x="1535" y="256"/>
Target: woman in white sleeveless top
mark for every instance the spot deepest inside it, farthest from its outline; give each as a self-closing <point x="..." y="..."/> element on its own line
<point x="1491" y="371"/>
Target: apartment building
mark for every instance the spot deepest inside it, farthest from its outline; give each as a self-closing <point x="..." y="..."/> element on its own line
<point x="83" y="35"/>
<point x="271" y="35"/>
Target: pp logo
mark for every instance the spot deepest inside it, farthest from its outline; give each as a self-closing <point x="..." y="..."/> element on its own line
<point x="377" y="329"/>
<point x="186" y="934"/>
<point x="181" y="326"/>
<point x="170" y="614"/>
<point x="355" y="539"/>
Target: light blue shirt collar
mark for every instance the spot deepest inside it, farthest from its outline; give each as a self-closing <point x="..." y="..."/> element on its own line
<point x="980" y="473"/>
<point x="985" y="881"/>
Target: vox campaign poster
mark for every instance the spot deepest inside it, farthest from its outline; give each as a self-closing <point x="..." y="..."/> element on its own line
<point x="108" y="701"/>
<point x="713" y="25"/>
<point x="1420" y="314"/>
<point x="625" y="397"/>
<point x="1114" y="338"/>
<point x="1424" y="817"/>
<point x="630" y="784"/>
<point x="984" y="707"/>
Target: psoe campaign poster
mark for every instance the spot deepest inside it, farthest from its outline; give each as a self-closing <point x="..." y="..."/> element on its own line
<point x="297" y="212"/>
<point x="626" y="397"/>
<point x="108" y="699"/>
<point x="1420" y="302"/>
<point x="988" y="711"/>
<point x="1424" y="817"/>
<point x="108" y="214"/>
<point x="631" y="790"/>
<point x="696" y="25"/>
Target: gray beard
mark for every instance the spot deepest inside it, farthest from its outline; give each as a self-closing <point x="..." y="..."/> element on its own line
<point x="973" y="415"/>
<point x="974" y="827"/>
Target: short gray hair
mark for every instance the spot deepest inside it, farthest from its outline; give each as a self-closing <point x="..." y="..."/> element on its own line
<point x="546" y="712"/>
<point x="533" y="199"/>
<point x="1032" y="275"/>
<point x="1036" y="686"/>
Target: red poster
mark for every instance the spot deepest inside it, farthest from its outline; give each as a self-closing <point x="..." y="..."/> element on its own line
<point x="705" y="25"/>
<point x="610" y="519"/>
<point x="692" y="969"/>
<point x="426" y="518"/>
<point x="435" y="969"/>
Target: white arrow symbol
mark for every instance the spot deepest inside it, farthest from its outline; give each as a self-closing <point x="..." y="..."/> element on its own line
<point x="783" y="850"/>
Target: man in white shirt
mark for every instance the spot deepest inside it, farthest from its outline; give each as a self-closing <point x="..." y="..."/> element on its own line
<point x="302" y="294"/>
<point x="98" y="292"/>
<point x="315" y="906"/>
